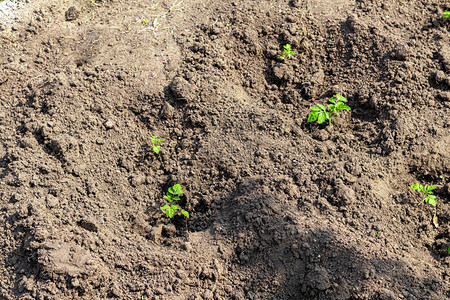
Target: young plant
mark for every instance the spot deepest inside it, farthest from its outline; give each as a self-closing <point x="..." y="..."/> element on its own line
<point x="428" y="197"/>
<point x="446" y="15"/>
<point x="427" y="194"/>
<point x="171" y="196"/>
<point x="155" y="142"/>
<point x="287" y="52"/>
<point x="321" y="113"/>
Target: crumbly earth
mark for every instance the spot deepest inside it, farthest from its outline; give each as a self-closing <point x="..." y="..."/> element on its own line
<point x="279" y="208"/>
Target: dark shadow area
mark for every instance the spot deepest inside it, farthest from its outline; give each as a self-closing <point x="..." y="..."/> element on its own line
<point x="285" y="258"/>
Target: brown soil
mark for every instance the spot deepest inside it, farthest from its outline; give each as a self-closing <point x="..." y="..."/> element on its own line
<point x="279" y="208"/>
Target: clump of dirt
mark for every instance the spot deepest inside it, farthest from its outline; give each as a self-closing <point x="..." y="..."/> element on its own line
<point x="279" y="208"/>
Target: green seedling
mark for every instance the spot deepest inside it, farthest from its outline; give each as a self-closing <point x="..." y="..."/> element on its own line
<point x="287" y="52"/>
<point x="427" y="194"/>
<point x="321" y="113"/>
<point x="171" y="196"/>
<point x="143" y="21"/>
<point x="155" y="142"/>
<point x="446" y="14"/>
<point x="428" y="197"/>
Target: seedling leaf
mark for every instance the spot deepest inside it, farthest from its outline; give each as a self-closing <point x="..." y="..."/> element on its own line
<point x="165" y="207"/>
<point x="322" y="107"/>
<point x="155" y="142"/>
<point x="322" y="118"/>
<point x="417" y="186"/>
<point x="170" y="212"/>
<point x="430" y="187"/>
<point x="313" y="116"/>
<point x="341" y="98"/>
<point x="432" y="200"/>
<point x="341" y="105"/>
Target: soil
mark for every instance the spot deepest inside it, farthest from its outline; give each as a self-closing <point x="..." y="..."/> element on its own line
<point x="280" y="208"/>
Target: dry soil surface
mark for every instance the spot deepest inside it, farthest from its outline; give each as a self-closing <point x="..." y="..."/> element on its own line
<point x="280" y="208"/>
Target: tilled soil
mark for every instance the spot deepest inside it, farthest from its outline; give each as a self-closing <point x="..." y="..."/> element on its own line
<point x="280" y="208"/>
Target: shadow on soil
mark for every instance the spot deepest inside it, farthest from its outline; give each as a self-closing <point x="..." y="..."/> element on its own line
<point x="287" y="255"/>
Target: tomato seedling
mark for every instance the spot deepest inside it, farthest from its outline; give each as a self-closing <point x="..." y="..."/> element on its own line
<point x="155" y="142"/>
<point x="287" y="52"/>
<point x="427" y="197"/>
<point x="427" y="194"/>
<point x="171" y="196"/>
<point x="322" y="113"/>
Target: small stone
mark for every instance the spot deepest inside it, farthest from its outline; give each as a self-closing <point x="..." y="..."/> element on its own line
<point x="182" y="89"/>
<point x="109" y="124"/>
<point x="318" y="77"/>
<point x="311" y="88"/>
<point x="71" y="14"/>
<point x="75" y="282"/>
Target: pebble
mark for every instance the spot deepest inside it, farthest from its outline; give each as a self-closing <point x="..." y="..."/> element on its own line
<point x="109" y="124"/>
<point x="75" y="282"/>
